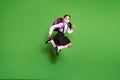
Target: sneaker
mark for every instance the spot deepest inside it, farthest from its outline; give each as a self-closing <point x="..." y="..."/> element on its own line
<point x="48" y="41"/>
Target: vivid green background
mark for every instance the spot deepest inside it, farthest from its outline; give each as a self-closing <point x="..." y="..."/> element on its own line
<point x="95" y="54"/>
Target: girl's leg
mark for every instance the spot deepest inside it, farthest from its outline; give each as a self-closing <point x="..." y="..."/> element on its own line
<point x="51" y="41"/>
<point x="66" y="46"/>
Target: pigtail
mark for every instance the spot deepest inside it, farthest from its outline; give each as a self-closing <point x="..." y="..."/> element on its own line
<point x="70" y="25"/>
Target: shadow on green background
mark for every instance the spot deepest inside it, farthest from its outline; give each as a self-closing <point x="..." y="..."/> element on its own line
<point x="24" y="25"/>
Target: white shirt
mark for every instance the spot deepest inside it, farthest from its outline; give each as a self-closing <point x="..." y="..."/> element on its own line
<point x="66" y="28"/>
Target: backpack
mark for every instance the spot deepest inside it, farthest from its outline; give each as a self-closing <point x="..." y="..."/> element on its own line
<point x="57" y="21"/>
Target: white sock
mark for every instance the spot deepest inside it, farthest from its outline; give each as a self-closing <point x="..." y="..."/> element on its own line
<point x="62" y="47"/>
<point x="53" y="43"/>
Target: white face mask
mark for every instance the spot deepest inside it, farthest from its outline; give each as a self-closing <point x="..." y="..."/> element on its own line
<point x="66" y="20"/>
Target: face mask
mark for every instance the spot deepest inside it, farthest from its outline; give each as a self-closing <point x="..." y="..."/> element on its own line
<point x="67" y="21"/>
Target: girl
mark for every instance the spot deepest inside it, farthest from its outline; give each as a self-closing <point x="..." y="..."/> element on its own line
<point x="60" y="41"/>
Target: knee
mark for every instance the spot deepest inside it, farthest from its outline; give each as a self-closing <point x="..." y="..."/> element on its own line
<point x="69" y="45"/>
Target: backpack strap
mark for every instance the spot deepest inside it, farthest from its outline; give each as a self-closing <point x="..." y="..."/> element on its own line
<point x="63" y="25"/>
<point x="55" y="22"/>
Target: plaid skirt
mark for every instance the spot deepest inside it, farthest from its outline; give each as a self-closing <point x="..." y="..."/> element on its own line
<point x="60" y="39"/>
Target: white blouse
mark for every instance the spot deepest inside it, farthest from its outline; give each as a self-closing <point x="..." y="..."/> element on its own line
<point x="66" y="28"/>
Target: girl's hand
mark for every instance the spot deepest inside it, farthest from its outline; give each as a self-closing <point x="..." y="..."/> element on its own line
<point x="49" y="35"/>
<point x="73" y="27"/>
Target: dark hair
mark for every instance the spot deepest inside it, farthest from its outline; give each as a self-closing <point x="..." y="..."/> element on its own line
<point x="70" y="25"/>
<point x="67" y="15"/>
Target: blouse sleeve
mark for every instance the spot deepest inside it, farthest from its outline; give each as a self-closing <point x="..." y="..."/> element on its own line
<point x="55" y="26"/>
<point x="70" y="31"/>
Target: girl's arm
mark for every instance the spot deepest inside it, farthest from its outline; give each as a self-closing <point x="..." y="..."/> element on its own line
<point x="70" y="31"/>
<point x="53" y="27"/>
